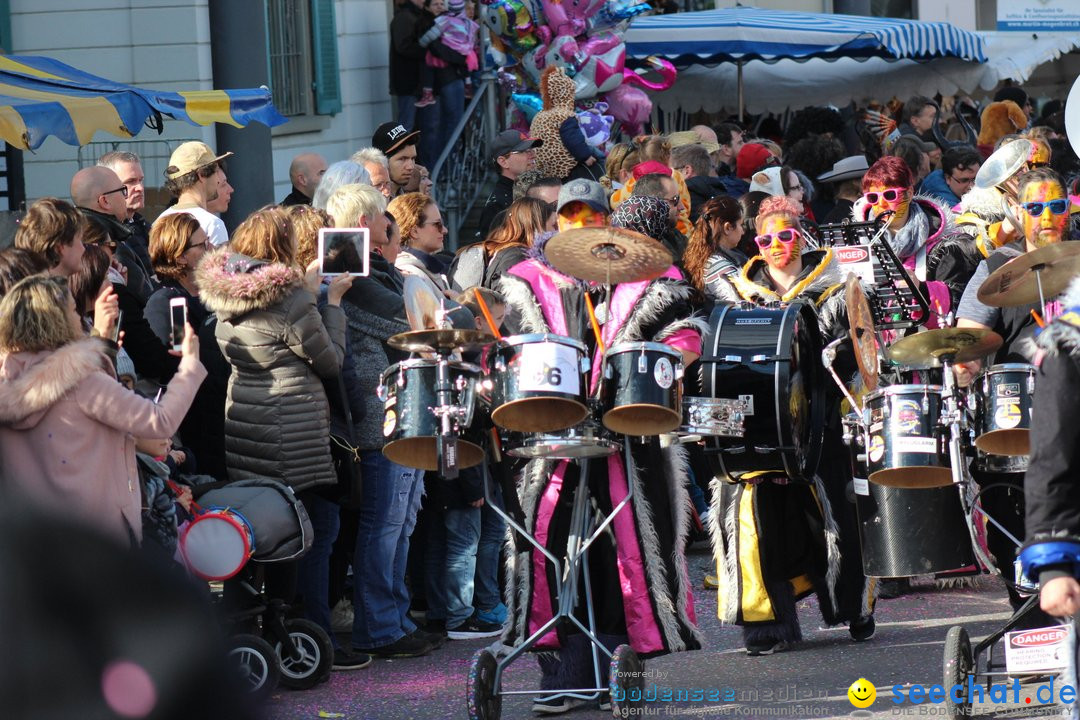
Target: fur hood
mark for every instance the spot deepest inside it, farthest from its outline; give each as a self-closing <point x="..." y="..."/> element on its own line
<point x="231" y="284"/>
<point x="985" y="203"/>
<point x="32" y="382"/>
<point x="820" y="272"/>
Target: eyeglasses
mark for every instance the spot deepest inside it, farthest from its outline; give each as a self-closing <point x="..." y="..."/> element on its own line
<point x="962" y="180"/>
<point x="889" y="195"/>
<point x="793" y="188"/>
<point x="785" y="236"/>
<point x="192" y="246"/>
<point x="436" y="223"/>
<point x="1057" y="207"/>
<point x="673" y="201"/>
<point x="122" y="190"/>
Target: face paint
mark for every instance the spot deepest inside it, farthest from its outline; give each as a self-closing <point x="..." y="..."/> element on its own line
<point x="577" y="214"/>
<point x="1046" y="228"/>
<point x="780" y="255"/>
<point x="1040" y="154"/>
<point x="900" y="204"/>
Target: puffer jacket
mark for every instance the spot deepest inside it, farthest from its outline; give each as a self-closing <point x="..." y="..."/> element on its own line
<point x="277" y="419"/>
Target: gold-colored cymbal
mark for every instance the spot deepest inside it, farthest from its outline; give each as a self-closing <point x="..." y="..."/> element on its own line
<point x="863" y="338"/>
<point x="1017" y="282"/>
<point x="927" y="349"/>
<point x="433" y="341"/>
<point x="607" y="255"/>
<point x="421" y="304"/>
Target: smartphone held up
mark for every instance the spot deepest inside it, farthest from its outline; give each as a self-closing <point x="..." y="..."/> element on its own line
<point x="177" y="323"/>
<point x="344" y="251"/>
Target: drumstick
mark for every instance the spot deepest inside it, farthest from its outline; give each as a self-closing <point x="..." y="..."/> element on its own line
<point x="595" y="325"/>
<point x="1038" y="320"/>
<point x="487" y="315"/>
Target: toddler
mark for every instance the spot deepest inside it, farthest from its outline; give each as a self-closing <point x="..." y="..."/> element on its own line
<point x="458" y="33"/>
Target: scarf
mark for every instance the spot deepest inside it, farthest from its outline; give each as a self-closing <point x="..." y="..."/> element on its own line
<point x="913" y="234"/>
<point x="645" y="214"/>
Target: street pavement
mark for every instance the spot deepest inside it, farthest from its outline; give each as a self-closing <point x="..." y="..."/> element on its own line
<point x="810" y="680"/>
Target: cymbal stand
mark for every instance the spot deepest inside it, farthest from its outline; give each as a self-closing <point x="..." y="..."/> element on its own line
<point x="449" y="417"/>
<point x="587" y="524"/>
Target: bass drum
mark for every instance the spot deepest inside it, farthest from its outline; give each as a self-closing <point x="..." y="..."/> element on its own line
<point x="770" y="359"/>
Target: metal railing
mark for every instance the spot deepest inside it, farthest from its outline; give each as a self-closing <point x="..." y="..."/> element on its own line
<point x="462" y="168"/>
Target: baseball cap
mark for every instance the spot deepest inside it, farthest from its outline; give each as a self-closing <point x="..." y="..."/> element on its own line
<point x="392" y="136"/>
<point x="189" y="157"/>
<point x="689" y="137"/>
<point x="509" y="141"/>
<point x="751" y="158"/>
<point x="587" y="191"/>
<point x="849" y="168"/>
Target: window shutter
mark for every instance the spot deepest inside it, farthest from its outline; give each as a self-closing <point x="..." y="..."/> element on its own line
<point x="325" y="58"/>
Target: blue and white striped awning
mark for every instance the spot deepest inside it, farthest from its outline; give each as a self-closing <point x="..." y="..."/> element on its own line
<point x="742" y="33"/>
<point x="40" y="96"/>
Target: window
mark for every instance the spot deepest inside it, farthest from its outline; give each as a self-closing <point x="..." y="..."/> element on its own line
<point x="302" y="50"/>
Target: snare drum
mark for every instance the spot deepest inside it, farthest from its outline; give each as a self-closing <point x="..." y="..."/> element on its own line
<point x="587" y="440"/>
<point x="901" y="440"/>
<point x="410" y="425"/>
<point x="1003" y="408"/>
<point x="642" y="388"/>
<point x="538" y="383"/>
<point x="217" y="544"/>
<point x="712" y="417"/>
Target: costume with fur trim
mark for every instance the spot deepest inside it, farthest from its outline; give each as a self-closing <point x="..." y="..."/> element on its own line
<point x="641" y="590"/>
<point x="557" y="93"/>
<point x="775" y="541"/>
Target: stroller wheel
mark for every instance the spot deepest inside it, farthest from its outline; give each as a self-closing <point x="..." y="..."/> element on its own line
<point x="309" y="661"/>
<point x="255" y="664"/>
<point x="958" y="665"/>
<point x="484" y="702"/>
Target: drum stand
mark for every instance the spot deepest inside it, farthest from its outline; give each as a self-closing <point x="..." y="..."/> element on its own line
<point x="484" y="686"/>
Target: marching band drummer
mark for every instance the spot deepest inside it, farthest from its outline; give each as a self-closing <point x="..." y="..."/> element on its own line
<point x="776" y="541"/>
<point x="641" y="591"/>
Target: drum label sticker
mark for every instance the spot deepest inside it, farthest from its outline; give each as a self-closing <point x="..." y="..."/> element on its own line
<point x="1008" y="390"/>
<point x="1007" y="415"/>
<point x="754" y="321"/>
<point x="861" y="485"/>
<point x="389" y="423"/>
<point x="877" y="427"/>
<point x="877" y="448"/>
<point x="856" y="259"/>
<point x="548" y="367"/>
<point x="664" y="373"/>
<point x="748" y="404"/>
<point x="390" y="402"/>
<point x="908" y="415"/>
<point x="1046" y="648"/>
<point x="916" y="445"/>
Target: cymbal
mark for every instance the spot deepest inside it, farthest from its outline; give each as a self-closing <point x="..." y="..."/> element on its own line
<point x="1015" y="283"/>
<point x="926" y="349"/>
<point x="607" y="255"/>
<point x="421" y="304"/>
<point x="863" y="338"/>
<point x="433" y="341"/>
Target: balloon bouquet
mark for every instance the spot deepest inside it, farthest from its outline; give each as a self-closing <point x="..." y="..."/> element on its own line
<point x="584" y="37"/>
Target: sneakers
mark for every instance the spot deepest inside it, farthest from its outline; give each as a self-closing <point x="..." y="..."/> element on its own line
<point x="407" y="646"/>
<point x="495" y="616"/>
<point x="437" y="638"/>
<point x="862" y="629"/>
<point x="341" y="617"/>
<point x="556" y="704"/>
<point x="474" y="628"/>
<point x="767" y="647"/>
<point x="350" y="660"/>
<point x="427" y="98"/>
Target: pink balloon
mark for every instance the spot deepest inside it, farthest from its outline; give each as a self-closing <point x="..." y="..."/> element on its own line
<point x="667" y="74"/>
<point x="630" y="106"/>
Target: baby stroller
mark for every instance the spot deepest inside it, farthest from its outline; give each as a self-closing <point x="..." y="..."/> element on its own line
<point x="260" y="520"/>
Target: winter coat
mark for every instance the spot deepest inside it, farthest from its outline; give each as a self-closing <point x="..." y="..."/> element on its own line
<point x="277" y="420"/>
<point x="936" y="187"/>
<point x="66" y="432"/>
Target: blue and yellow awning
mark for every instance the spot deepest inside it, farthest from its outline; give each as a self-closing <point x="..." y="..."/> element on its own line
<point x="40" y="97"/>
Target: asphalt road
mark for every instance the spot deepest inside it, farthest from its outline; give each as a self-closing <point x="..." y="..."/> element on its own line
<point x="810" y="680"/>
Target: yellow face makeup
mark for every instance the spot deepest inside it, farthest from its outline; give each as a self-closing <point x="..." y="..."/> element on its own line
<point x="780" y="254"/>
<point x="578" y="214"/>
<point x="1045" y="227"/>
<point x="880" y="194"/>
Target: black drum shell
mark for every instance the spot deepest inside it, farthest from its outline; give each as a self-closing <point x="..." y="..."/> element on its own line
<point x="780" y="350"/>
<point x="633" y="393"/>
<point x="532" y="411"/>
<point x="1003" y="396"/>
<point x="902" y="417"/>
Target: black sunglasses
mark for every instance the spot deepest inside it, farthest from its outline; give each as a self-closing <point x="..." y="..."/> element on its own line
<point x="122" y="190"/>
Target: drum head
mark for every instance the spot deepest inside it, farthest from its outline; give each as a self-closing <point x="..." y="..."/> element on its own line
<point x="422" y="453"/>
<point x="642" y="420"/>
<point x="914" y="476"/>
<point x="215" y="546"/>
<point x="539" y="415"/>
<point x="1005" y="442"/>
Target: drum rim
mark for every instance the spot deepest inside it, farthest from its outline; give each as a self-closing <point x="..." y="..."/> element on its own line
<point x="1007" y="367"/>
<point x="537" y="338"/>
<point x="232" y="517"/>
<point x="902" y="389"/>
<point x="638" y="345"/>
<point x="411" y="363"/>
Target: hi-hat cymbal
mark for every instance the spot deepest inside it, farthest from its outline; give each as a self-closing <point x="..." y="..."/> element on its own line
<point x="861" y="323"/>
<point x="927" y="349"/>
<point x="607" y="255"/>
<point x="421" y="304"/>
<point x="1017" y="281"/>
<point x="433" y="341"/>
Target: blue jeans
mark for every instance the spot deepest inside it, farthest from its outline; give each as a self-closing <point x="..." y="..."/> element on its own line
<point x="386" y="518"/>
<point x="487" y="594"/>
<point x="314" y="568"/>
<point x="437" y="122"/>
<point x="406" y="111"/>
<point x="449" y="564"/>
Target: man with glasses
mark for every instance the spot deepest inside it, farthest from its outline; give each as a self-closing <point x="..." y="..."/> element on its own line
<point x="512" y="153"/>
<point x="664" y="187"/>
<point x="128" y="168"/>
<point x="99" y="193"/>
<point x="196" y="175"/>
<point x="956" y="176"/>
<point x="378" y="169"/>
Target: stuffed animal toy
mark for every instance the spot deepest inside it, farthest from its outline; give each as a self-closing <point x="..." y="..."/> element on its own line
<point x="557" y="94"/>
<point x="998" y="120"/>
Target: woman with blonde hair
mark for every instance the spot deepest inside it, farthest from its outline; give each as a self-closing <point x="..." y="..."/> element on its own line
<point x="66" y="424"/>
<point x="307" y="221"/>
